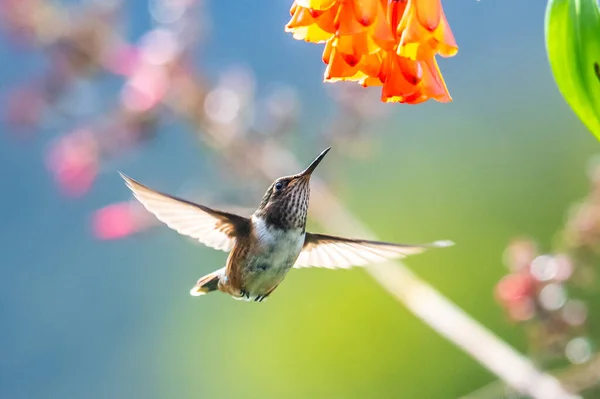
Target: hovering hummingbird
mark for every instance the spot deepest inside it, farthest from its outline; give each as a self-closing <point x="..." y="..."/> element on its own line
<point x="264" y="247"/>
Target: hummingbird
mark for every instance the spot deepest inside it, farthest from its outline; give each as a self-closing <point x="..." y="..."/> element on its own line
<point x="266" y="246"/>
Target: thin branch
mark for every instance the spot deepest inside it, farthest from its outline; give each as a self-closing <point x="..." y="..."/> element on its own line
<point x="576" y="378"/>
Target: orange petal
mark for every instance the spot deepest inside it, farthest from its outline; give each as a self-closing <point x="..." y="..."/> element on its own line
<point x="415" y="98"/>
<point x="327" y="51"/>
<point x="337" y="68"/>
<point x="358" y="76"/>
<point x="303" y="27"/>
<point x="312" y="34"/>
<point x="352" y="48"/>
<point x="365" y="11"/>
<point x="300" y="17"/>
<point x="417" y="41"/>
<point x="387" y="98"/>
<point x="443" y="35"/>
<point x="293" y="8"/>
<point x="382" y="33"/>
<point x="411" y="35"/>
<point x="394" y="82"/>
<point x="371" y="65"/>
<point x="431" y="86"/>
<point x="412" y="71"/>
<point x="326" y="19"/>
<point x="433" y="82"/>
<point x="367" y="82"/>
<point x="316" y="4"/>
<point x="395" y="13"/>
<point x="412" y="98"/>
<point x="428" y="13"/>
<point x="345" y="23"/>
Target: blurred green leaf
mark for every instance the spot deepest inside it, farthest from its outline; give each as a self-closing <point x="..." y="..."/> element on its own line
<point x="573" y="46"/>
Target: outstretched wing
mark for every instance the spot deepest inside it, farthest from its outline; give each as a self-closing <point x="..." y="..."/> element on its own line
<point x="211" y="227"/>
<point x="332" y="252"/>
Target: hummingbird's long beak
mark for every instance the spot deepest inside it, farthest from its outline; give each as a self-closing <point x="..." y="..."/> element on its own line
<point x="308" y="171"/>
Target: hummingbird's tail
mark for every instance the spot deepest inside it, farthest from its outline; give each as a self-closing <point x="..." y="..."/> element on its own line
<point x="208" y="283"/>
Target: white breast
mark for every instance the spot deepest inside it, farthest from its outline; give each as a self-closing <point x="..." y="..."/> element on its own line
<point x="279" y="246"/>
<point x="274" y="256"/>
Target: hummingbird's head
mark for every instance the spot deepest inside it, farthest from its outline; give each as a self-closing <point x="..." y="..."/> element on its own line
<point x="285" y="203"/>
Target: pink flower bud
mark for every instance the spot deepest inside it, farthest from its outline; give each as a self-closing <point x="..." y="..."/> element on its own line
<point x="123" y="60"/>
<point x="114" y="221"/>
<point x="74" y="162"/>
<point x="514" y="288"/>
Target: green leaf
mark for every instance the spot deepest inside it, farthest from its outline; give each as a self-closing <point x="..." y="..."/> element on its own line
<point x="573" y="46"/>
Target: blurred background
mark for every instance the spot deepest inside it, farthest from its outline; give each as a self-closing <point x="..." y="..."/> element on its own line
<point x="95" y="300"/>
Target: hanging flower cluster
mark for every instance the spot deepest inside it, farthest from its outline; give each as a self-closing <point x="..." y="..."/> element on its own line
<point x="389" y="43"/>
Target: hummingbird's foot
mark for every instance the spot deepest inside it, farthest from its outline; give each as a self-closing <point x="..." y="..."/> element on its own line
<point x="260" y="298"/>
<point x="243" y="294"/>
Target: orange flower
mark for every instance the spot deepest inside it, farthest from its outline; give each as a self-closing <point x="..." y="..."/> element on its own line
<point x="389" y="43"/>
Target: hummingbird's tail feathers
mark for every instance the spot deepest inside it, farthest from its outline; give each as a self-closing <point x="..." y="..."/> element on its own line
<point x="208" y="283"/>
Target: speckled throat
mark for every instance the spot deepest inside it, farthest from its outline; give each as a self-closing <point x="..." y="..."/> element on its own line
<point x="285" y="203"/>
<point x="288" y="210"/>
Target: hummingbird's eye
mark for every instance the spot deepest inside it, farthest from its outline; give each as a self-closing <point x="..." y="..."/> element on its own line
<point x="279" y="185"/>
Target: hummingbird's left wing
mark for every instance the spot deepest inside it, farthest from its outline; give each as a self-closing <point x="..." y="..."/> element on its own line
<point x="213" y="228"/>
<point x="333" y="252"/>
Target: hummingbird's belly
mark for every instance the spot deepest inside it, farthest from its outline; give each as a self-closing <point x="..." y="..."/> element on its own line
<point x="273" y="259"/>
<point x="264" y="276"/>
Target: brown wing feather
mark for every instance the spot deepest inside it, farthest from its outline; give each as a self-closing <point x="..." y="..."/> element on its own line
<point x="333" y="252"/>
<point x="213" y="228"/>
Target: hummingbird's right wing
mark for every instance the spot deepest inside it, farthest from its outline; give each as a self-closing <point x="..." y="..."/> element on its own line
<point x="213" y="228"/>
<point x="333" y="252"/>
